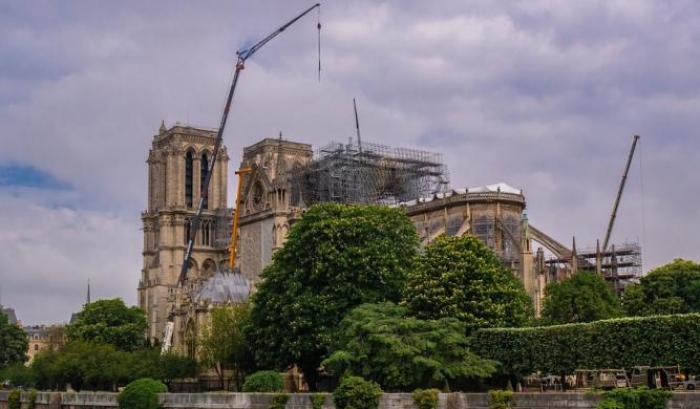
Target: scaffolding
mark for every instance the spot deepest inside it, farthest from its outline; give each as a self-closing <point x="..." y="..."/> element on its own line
<point x="620" y="265"/>
<point x="369" y="173"/>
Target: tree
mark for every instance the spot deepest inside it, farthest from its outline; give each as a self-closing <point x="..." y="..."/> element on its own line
<point x="110" y="322"/>
<point x="222" y="342"/>
<point x="460" y="277"/>
<point x="335" y="258"/>
<point x="673" y="288"/>
<point x="13" y="343"/>
<point x="583" y="297"/>
<point x="382" y="343"/>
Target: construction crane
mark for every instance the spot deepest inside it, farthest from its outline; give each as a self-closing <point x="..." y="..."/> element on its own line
<point x="613" y="215"/>
<point x="240" y="199"/>
<point x="242" y="55"/>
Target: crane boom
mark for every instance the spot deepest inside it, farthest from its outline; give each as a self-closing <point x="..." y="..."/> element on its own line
<point x="243" y="55"/>
<point x="613" y="215"/>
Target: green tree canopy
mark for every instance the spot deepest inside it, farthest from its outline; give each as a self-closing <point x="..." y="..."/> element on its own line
<point x="460" y="277"/>
<point x="13" y="343"/>
<point x="673" y="288"/>
<point x="335" y="258"/>
<point x="583" y="297"/>
<point x="110" y="322"/>
<point x="380" y="342"/>
<point x="222" y="342"/>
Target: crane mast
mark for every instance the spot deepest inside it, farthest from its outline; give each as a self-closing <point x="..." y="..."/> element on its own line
<point x="242" y="56"/>
<point x="613" y="215"/>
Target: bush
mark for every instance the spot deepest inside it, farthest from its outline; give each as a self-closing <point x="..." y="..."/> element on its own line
<point x="141" y="394"/>
<point x="500" y="399"/>
<point x="14" y="399"/>
<point x="426" y="398"/>
<point x="641" y="398"/>
<point x="263" y="381"/>
<point x="279" y="401"/>
<point x="18" y="375"/>
<point x="655" y="341"/>
<point x="31" y="403"/>
<point x="317" y="400"/>
<point x="356" y="393"/>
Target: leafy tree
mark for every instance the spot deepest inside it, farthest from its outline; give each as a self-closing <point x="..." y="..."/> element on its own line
<point x="222" y="342"/>
<point x="460" y="277"/>
<point x="13" y="343"/>
<point x="673" y="288"/>
<point x="110" y="322"/>
<point x="18" y="375"/>
<point x="583" y="297"/>
<point x="83" y="365"/>
<point x="380" y="342"/>
<point x="335" y="258"/>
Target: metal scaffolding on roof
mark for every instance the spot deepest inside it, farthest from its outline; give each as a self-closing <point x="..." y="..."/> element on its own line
<point x="368" y="173"/>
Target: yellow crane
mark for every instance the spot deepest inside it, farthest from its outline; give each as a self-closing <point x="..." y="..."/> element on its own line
<point x="240" y="200"/>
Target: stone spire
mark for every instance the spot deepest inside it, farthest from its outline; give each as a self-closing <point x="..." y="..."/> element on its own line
<point x="87" y="301"/>
<point x="162" y="128"/>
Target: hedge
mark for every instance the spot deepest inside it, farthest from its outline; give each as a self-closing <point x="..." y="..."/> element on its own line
<point x="264" y="381"/>
<point x="615" y="343"/>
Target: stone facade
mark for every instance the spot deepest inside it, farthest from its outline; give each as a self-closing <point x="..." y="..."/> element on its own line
<point x="177" y="165"/>
<point x="267" y="214"/>
<point x="43" y="337"/>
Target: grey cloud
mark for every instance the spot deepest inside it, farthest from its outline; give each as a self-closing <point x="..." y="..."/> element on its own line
<point x="544" y="95"/>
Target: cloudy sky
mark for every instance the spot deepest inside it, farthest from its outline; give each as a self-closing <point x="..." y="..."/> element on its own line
<point x="543" y="95"/>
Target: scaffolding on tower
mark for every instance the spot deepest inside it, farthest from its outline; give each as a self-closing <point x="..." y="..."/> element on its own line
<point x="369" y="173"/>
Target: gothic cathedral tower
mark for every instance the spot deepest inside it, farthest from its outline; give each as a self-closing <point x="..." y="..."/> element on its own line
<point x="178" y="163"/>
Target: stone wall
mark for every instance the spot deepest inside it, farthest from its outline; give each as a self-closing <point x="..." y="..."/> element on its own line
<point x="102" y="400"/>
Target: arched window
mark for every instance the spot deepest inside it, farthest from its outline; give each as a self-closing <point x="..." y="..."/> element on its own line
<point x="188" y="230"/>
<point x="189" y="174"/>
<point x="204" y="171"/>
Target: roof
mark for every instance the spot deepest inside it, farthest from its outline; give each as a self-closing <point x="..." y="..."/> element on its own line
<point x="495" y="188"/>
<point x="225" y="287"/>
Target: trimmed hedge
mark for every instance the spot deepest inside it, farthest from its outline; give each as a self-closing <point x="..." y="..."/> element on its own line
<point x="355" y="392"/>
<point x="264" y="381"/>
<point x="615" y="343"/>
<point x="426" y="398"/>
<point x="641" y="398"/>
<point x="141" y="394"/>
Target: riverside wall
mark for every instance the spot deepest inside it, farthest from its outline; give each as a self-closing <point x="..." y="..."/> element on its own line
<point x="104" y="400"/>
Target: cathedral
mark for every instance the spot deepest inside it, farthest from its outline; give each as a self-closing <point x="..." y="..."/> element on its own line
<point x="178" y="163"/>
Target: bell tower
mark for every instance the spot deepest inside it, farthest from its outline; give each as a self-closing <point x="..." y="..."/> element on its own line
<point x="178" y="162"/>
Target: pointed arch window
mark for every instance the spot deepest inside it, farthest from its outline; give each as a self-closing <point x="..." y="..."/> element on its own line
<point x="204" y="172"/>
<point x="189" y="174"/>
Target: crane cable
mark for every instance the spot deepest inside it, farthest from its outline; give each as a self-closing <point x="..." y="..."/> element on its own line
<point x="318" y="26"/>
<point x="641" y="188"/>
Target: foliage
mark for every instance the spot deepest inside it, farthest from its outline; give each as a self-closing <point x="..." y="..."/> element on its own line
<point x="279" y="401"/>
<point x="141" y="394"/>
<point x="13" y="343"/>
<point x="382" y="343"/>
<point x="222" y="342"/>
<point x="18" y="375"/>
<point x="103" y="367"/>
<point x="615" y="343"/>
<point x="318" y="400"/>
<point x="426" y="398"/>
<point x="335" y="258"/>
<point x="641" y="398"/>
<point x="357" y="393"/>
<point x="14" y="399"/>
<point x="583" y="297"/>
<point x="110" y="322"/>
<point x="673" y="288"/>
<point x="31" y="401"/>
<point x="499" y="399"/>
<point x="264" y="381"/>
<point x="460" y="277"/>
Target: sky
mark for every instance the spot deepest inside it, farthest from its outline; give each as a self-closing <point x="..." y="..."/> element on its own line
<point x="543" y="95"/>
